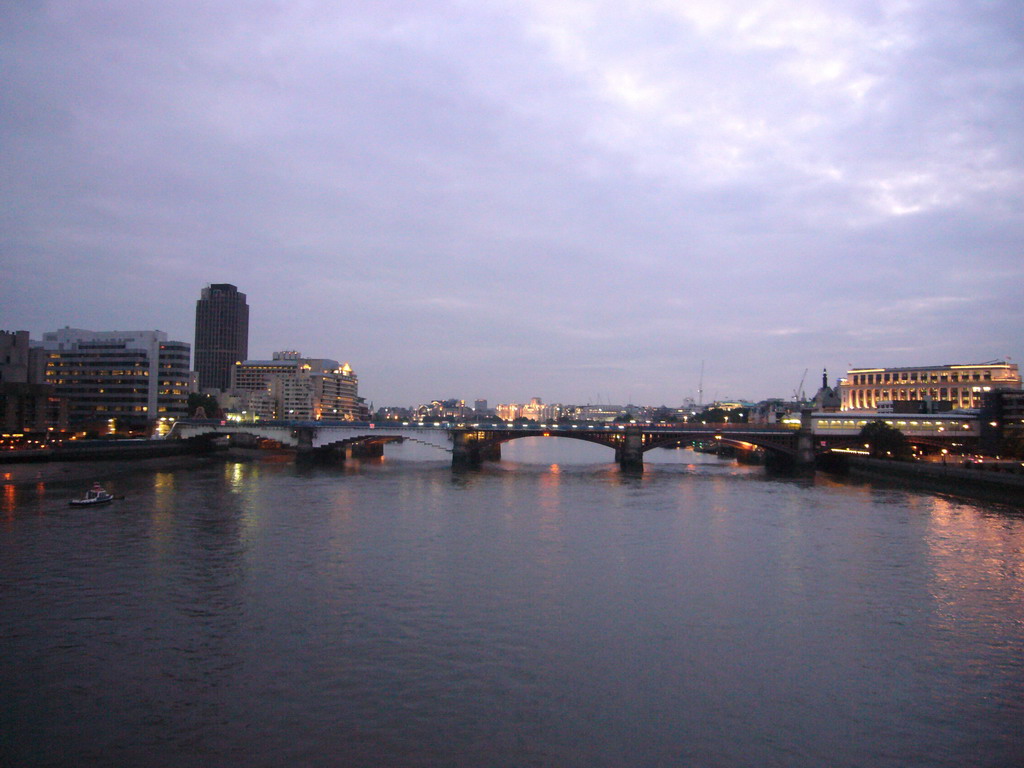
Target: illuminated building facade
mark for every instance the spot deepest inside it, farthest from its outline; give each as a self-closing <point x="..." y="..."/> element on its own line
<point x="509" y="411"/>
<point x="535" y="410"/>
<point x="961" y="386"/>
<point x="132" y="377"/>
<point x="222" y="334"/>
<point x="605" y="413"/>
<point x="290" y="386"/>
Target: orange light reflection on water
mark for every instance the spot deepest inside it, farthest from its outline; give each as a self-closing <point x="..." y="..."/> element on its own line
<point x="10" y="496"/>
<point x="163" y="502"/>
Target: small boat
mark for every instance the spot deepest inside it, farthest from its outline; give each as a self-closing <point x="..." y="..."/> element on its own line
<point x="93" y="497"/>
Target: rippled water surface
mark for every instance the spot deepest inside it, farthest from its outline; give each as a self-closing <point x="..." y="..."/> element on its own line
<point x="546" y="610"/>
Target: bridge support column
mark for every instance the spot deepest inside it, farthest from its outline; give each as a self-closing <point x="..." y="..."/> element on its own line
<point x="805" y="444"/>
<point x="465" y="451"/>
<point x="490" y="452"/>
<point x="304" y="439"/>
<point x="630" y="454"/>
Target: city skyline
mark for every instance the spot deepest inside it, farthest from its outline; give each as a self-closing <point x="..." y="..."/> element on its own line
<point x="579" y="201"/>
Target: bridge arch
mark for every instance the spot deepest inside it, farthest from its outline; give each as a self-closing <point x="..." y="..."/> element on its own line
<point x="609" y="440"/>
<point x="747" y="441"/>
<point x="308" y="437"/>
<point x="470" y="444"/>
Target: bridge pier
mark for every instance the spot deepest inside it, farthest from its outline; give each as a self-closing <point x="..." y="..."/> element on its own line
<point x="465" y="451"/>
<point x="805" y="459"/>
<point x="630" y="454"/>
<point x="332" y="454"/>
<point x="304" y="439"/>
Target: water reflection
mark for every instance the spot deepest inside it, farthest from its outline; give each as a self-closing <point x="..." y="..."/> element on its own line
<point x="977" y="565"/>
<point x="234" y="475"/>
<point x="10" y="497"/>
<point x="543" y="609"/>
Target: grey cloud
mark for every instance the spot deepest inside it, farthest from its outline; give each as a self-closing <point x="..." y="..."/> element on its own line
<point x="466" y="200"/>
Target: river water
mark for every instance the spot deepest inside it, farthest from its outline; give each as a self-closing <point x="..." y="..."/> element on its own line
<point x="546" y="610"/>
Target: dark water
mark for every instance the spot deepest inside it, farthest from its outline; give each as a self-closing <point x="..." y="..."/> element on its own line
<point x="544" y="611"/>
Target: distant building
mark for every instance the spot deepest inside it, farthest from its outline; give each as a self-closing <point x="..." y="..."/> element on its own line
<point x="775" y="411"/>
<point x="535" y="410"/>
<point x="222" y="334"/>
<point x="508" y="411"/>
<point x="132" y="377"/>
<point x="956" y="386"/>
<point x="395" y="413"/>
<point x="452" y="408"/>
<point x="605" y="413"/>
<point x="826" y="399"/>
<point x="290" y="386"/>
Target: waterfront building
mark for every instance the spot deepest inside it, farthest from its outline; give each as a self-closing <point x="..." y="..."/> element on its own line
<point x="31" y="409"/>
<point x="14" y="356"/>
<point x="290" y="386"/>
<point x="1002" y="423"/>
<point x="222" y="334"/>
<point x="952" y="386"/>
<point x="131" y="377"/>
<point x="27" y="404"/>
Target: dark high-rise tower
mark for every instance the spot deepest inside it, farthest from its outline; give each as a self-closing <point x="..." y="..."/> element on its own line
<point x="222" y="334"/>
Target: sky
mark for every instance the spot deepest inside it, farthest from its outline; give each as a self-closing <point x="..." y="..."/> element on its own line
<point x="586" y="202"/>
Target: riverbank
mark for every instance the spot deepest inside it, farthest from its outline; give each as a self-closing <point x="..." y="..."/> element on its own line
<point x="100" y="461"/>
<point x="92" y="450"/>
<point x="971" y="482"/>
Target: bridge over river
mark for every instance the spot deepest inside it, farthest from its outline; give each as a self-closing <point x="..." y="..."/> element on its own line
<point x="471" y="444"/>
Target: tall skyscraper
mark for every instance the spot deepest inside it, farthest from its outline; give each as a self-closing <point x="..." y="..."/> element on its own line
<point x="222" y="334"/>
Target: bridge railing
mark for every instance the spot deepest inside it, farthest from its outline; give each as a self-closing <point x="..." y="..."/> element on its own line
<point x="495" y="426"/>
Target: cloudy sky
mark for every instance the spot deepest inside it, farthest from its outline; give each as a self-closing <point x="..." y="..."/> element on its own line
<point x="581" y="201"/>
